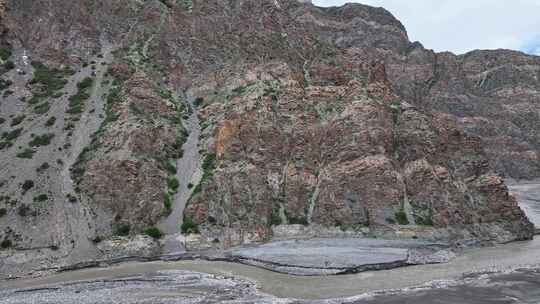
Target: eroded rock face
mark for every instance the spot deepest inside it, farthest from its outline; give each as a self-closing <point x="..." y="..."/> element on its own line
<point x="123" y="170"/>
<point x="322" y="116"/>
<point x="347" y="156"/>
<point x="494" y="94"/>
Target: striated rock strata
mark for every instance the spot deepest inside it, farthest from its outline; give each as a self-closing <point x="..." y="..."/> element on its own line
<point x="324" y="117"/>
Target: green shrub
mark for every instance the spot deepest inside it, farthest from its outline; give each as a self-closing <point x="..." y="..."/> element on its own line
<point x="9" y="65"/>
<point x="76" y="102"/>
<point x="42" y="108"/>
<point x="173" y="183"/>
<point x="51" y="80"/>
<point x="275" y="219"/>
<point x="5" y="53"/>
<point x="7" y="93"/>
<point x="170" y="167"/>
<point x="41" y="198"/>
<point x="85" y="83"/>
<point x="401" y="218"/>
<point x="198" y="101"/>
<point x="189" y="226"/>
<point x="2" y="120"/>
<point x="51" y="121"/>
<point x="26" y="153"/>
<point x="43" y="167"/>
<point x="23" y="210"/>
<point x="168" y="203"/>
<point x="297" y="220"/>
<point x="5" y="144"/>
<point x="390" y="220"/>
<point x="209" y="163"/>
<point x="123" y="229"/>
<point x="12" y="134"/>
<point x="153" y="232"/>
<point x="17" y="120"/>
<point x="114" y="97"/>
<point x="395" y="106"/>
<point x="208" y="166"/>
<point x="27" y="185"/>
<point x="424" y="221"/>
<point x="71" y="198"/>
<point x="6" y="244"/>
<point x="41" y="140"/>
<point x="3" y="212"/>
<point x="4" y="84"/>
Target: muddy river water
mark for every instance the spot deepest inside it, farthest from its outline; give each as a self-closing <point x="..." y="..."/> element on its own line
<point x="502" y="274"/>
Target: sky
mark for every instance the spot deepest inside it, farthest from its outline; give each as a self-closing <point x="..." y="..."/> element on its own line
<point x="460" y="26"/>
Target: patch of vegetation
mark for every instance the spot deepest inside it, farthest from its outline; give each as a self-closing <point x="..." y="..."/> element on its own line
<point x="71" y="198"/>
<point x="275" y="219"/>
<point x="2" y="120"/>
<point x="176" y="148"/>
<point x="42" y="108"/>
<point x="41" y="140"/>
<point x="12" y="135"/>
<point x="123" y="230"/>
<point x="424" y="221"/>
<point x="198" y="101"/>
<point x="188" y="5"/>
<point x="76" y="102"/>
<point x="51" y="121"/>
<point x="168" y="203"/>
<point x="43" y="167"/>
<point x="41" y="198"/>
<point x="153" y="232"/>
<point x="208" y="166"/>
<point x="5" y="244"/>
<point x="396" y="110"/>
<point x="26" y="153"/>
<point x="5" y="144"/>
<point x="27" y="185"/>
<point x="5" y="53"/>
<point x="401" y="217"/>
<point x="7" y="93"/>
<point x="9" y="65"/>
<point x="23" y="210"/>
<point x="170" y="167"/>
<point x="301" y="220"/>
<point x="5" y="83"/>
<point x="7" y="138"/>
<point x="189" y="226"/>
<point x="173" y="184"/>
<point x="114" y="97"/>
<point x="423" y="215"/>
<point x="3" y="212"/>
<point x="17" y="120"/>
<point x="50" y="80"/>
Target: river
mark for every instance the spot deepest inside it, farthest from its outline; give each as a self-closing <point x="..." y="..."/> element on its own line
<point x="501" y="274"/>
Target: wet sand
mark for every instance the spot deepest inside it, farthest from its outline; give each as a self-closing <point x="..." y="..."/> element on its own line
<point x="504" y="257"/>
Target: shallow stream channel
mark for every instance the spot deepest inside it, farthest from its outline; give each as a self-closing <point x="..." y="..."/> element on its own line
<point x="504" y="274"/>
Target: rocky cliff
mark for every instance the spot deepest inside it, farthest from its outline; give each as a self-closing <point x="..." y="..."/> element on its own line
<point x="324" y="117"/>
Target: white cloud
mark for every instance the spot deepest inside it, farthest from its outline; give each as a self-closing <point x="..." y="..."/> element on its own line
<point x="464" y="25"/>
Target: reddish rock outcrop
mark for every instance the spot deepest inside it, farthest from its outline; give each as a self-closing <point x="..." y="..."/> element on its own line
<point x="321" y="116"/>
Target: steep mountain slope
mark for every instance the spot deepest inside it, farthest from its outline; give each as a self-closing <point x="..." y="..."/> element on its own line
<point x="328" y="118"/>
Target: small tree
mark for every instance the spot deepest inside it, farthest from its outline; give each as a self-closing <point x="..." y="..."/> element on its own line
<point x="153" y="232"/>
